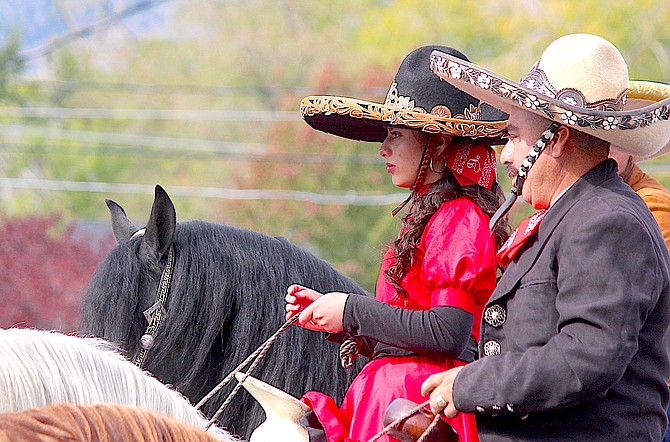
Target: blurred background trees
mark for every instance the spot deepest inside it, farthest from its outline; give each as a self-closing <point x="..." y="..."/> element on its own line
<point x="202" y="96"/>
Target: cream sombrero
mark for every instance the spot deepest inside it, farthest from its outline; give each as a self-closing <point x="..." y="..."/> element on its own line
<point x="416" y="99"/>
<point x="580" y="80"/>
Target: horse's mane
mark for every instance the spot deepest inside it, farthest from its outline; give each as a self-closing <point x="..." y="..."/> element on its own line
<point x="40" y="368"/>
<point x="228" y="282"/>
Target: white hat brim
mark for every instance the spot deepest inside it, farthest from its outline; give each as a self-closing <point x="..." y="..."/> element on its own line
<point x="641" y="132"/>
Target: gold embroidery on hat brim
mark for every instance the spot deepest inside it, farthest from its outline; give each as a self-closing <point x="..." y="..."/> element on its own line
<point x="459" y="125"/>
<point x="528" y="98"/>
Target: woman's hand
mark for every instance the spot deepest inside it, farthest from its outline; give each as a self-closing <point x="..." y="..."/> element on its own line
<point x="298" y="298"/>
<point x="318" y="312"/>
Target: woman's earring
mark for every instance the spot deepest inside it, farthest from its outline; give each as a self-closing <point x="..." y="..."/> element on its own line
<point x="444" y="167"/>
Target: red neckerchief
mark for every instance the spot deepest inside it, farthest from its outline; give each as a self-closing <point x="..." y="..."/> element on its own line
<point x="473" y="163"/>
<point x="527" y="228"/>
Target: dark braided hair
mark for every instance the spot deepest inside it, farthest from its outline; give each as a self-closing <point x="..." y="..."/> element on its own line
<point x="424" y="206"/>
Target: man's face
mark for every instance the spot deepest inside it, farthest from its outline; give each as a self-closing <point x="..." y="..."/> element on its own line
<point x="523" y="131"/>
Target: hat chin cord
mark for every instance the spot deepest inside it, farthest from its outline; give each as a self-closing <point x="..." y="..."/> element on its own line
<point x="528" y="162"/>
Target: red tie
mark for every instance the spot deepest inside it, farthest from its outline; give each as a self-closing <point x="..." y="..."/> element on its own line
<point x="526" y="229"/>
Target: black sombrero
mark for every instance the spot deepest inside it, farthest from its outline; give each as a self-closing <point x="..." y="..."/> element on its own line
<point x="417" y="99"/>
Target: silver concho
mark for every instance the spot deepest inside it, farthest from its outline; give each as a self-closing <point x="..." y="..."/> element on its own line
<point x="147" y="342"/>
<point x="491" y="348"/>
<point x="495" y="315"/>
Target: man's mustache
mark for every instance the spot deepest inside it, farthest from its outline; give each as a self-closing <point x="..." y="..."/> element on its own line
<point x="511" y="171"/>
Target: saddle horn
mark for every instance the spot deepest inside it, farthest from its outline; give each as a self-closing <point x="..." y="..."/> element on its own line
<point x="282" y="412"/>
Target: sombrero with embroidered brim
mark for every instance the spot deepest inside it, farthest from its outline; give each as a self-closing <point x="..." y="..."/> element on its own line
<point x="416" y="100"/>
<point x="581" y="80"/>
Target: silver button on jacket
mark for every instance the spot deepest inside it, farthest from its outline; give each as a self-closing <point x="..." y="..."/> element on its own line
<point x="495" y="315"/>
<point x="491" y="348"/>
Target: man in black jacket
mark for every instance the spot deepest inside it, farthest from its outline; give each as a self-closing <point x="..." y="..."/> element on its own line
<point x="573" y="341"/>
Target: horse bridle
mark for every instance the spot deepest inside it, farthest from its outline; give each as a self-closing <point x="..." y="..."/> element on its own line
<point x="155" y="313"/>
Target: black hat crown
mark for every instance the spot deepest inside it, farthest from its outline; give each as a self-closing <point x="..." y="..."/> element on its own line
<point x="415" y="87"/>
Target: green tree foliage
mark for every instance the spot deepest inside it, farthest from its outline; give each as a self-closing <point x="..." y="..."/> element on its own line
<point x="265" y="55"/>
<point x="11" y="65"/>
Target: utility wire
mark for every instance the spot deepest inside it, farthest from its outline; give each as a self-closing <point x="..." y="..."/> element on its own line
<point x="169" y="88"/>
<point x="115" y="139"/>
<point x="348" y="198"/>
<point x="40" y="51"/>
<point x="162" y="146"/>
<point x="61" y="113"/>
<point x="302" y="158"/>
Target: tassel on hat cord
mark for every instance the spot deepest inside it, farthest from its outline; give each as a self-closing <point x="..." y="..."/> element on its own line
<point x="528" y="162"/>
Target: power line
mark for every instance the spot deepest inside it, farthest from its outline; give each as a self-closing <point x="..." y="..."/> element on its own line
<point x="348" y="198"/>
<point x="61" y="113"/>
<point x="43" y="149"/>
<point x="163" y="146"/>
<point x="259" y="90"/>
<point x="40" y="51"/>
<point x="116" y="139"/>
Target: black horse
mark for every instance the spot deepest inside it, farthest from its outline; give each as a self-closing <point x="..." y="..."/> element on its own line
<point x="225" y="299"/>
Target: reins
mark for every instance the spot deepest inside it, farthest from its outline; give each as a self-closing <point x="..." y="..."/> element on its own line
<point x="254" y="358"/>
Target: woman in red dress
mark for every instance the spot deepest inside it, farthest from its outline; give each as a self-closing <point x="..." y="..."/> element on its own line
<point x="437" y="276"/>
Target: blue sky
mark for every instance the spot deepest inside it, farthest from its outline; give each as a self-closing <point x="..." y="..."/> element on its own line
<point x="40" y="21"/>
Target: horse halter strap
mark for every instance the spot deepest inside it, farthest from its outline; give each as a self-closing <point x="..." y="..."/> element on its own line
<point x="154" y="314"/>
<point x="528" y="162"/>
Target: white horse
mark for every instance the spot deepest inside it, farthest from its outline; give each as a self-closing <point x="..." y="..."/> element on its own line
<point x="40" y="368"/>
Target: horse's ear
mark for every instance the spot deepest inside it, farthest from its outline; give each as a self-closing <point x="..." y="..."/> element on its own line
<point x="161" y="227"/>
<point x="122" y="227"/>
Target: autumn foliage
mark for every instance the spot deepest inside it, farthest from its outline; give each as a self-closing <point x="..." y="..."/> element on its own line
<point x="44" y="268"/>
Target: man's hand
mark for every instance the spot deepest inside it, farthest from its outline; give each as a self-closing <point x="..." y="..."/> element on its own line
<point x="440" y="388"/>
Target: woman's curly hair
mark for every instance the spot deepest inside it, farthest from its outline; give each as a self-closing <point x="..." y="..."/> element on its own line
<point x="424" y="206"/>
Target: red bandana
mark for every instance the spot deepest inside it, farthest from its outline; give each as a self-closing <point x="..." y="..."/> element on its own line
<point x="473" y="163"/>
<point x="527" y="227"/>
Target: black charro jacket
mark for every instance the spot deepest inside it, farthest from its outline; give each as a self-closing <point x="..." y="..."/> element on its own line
<point x="577" y="347"/>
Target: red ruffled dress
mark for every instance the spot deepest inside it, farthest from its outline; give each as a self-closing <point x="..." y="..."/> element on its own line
<point x="455" y="266"/>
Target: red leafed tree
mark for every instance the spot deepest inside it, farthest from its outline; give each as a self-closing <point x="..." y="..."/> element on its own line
<point x="44" y="268"/>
